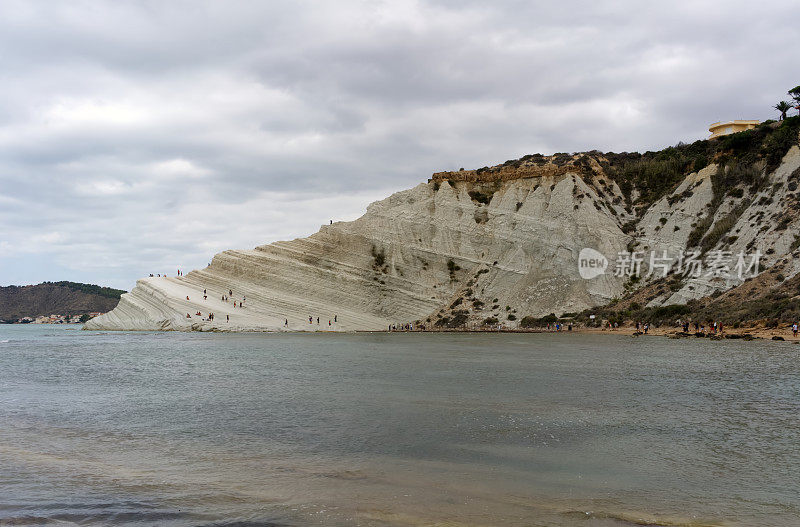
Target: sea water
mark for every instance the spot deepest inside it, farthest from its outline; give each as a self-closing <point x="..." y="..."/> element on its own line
<point x="564" y="429"/>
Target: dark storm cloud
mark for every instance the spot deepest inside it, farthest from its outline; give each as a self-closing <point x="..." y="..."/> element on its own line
<point x="137" y="137"/>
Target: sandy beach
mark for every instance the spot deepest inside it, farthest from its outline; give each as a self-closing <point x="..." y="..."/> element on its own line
<point x="751" y="332"/>
<point x="756" y="331"/>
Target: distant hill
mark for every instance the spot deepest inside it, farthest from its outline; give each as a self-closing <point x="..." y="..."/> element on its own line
<point x="62" y="298"/>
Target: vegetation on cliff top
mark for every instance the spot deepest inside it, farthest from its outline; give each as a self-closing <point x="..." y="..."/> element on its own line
<point x="655" y="174"/>
<point x="91" y="289"/>
<point x="646" y="178"/>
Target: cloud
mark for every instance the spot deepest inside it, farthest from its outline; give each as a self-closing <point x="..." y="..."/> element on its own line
<point x="136" y="137"/>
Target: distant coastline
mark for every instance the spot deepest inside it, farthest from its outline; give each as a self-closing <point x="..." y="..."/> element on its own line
<point x="56" y="302"/>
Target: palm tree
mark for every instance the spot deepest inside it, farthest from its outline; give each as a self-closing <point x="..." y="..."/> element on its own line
<point x="783" y="107"/>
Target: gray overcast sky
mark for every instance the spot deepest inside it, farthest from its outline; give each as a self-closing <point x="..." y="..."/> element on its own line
<point x="140" y="137"/>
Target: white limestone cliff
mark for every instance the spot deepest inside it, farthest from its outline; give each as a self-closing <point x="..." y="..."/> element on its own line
<point x="391" y="265"/>
<point x="463" y="248"/>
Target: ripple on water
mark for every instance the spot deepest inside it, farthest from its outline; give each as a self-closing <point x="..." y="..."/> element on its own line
<point x="182" y="429"/>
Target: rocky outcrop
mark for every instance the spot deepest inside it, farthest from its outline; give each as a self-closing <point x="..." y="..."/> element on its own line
<point x="479" y="246"/>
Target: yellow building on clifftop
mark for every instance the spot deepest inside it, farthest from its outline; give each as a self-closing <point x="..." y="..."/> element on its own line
<point x="730" y="127"/>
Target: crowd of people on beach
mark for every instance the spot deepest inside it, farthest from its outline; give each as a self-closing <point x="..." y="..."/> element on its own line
<point x="713" y="327"/>
<point x="406" y="327"/>
<point x="311" y="321"/>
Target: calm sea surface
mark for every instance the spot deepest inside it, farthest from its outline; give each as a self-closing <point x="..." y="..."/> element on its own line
<point x="245" y="430"/>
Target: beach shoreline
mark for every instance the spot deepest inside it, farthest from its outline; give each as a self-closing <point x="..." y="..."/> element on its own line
<point x="742" y="333"/>
<point x="747" y="333"/>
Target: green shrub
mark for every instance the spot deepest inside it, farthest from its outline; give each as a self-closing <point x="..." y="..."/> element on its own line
<point x="670" y="311"/>
<point x="722" y="226"/>
<point x="533" y="322"/>
<point x="379" y="257"/>
<point x="779" y="142"/>
<point x="457" y="319"/>
<point x="700" y="162"/>
<point x="629" y="227"/>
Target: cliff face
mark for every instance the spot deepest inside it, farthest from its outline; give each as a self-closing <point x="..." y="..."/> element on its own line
<point x="472" y="246"/>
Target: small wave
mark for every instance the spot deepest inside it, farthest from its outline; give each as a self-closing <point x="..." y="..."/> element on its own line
<point x="246" y="523"/>
<point x="104" y="518"/>
<point x="6" y="341"/>
<point x="633" y="519"/>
